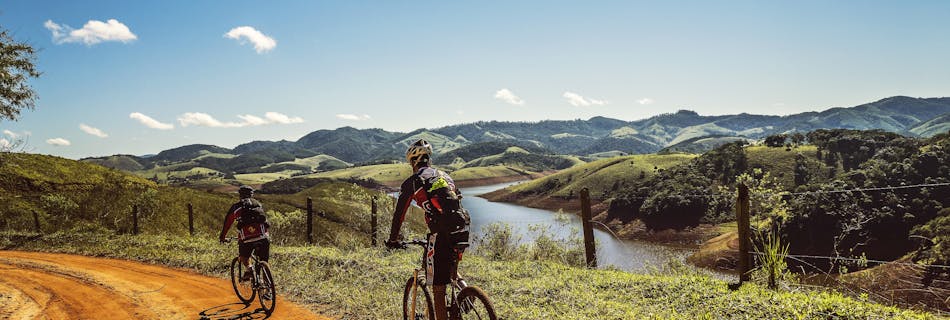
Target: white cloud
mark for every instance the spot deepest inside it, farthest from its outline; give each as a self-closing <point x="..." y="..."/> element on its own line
<point x="279" y="118"/>
<point x="151" y="123"/>
<point x="645" y="101"/>
<point x="206" y="120"/>
<point x="262" y="43"/>
<point x="4" y="144"/>
<point x="578" y="100"/>
<point x="203" y="120"/>
<point x="59" y="142"/>
<point x="92" y="32"/>
<point x="507" y="96"/>
<point x="92" y="130"/>
<point x="11" y="134"/>
<point x="353" y="117"/>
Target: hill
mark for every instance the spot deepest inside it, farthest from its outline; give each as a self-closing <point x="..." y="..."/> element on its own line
<point x="69" y="195"/>
<point x="682" y="131"/>
<point x="932" y="127"/>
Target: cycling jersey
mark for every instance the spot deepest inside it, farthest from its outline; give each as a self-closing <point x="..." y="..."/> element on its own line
<point x="248" y="231"/>
<point x="434" y="191"/>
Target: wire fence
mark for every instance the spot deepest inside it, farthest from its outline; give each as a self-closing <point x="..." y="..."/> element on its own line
<point x="903" y="282"/>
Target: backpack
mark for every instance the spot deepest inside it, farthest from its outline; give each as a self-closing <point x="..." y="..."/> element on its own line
<point x="251" y="213"/>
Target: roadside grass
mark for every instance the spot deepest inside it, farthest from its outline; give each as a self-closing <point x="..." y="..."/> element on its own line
<point x="351" y="281"/>
<point x="600" y="176"/>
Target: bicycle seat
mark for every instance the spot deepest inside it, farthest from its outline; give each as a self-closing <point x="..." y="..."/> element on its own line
<point x="461" y="245"/>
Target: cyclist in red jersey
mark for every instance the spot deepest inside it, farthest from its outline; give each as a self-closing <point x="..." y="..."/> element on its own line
<point x="251" y="227"/>
<point x="434" y="191"/>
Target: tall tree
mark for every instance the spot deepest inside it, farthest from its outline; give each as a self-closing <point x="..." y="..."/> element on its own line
<point x="17" y="66"/>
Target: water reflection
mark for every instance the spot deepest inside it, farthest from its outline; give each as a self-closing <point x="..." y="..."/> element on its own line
<point x="624" y="254"/>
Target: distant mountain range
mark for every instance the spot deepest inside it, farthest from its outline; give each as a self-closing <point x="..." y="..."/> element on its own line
<point x="346" y="145"/>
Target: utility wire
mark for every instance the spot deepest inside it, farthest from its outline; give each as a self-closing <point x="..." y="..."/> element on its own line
<point x="855" y="260"/>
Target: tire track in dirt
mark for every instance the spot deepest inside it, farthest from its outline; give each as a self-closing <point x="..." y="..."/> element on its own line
<point x="61" y="286"/>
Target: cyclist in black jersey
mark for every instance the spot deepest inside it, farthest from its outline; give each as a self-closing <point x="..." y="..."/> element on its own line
<point x="434" y="191"/>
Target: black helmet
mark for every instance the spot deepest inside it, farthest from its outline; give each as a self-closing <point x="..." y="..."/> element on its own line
<point x="245" y="191"/>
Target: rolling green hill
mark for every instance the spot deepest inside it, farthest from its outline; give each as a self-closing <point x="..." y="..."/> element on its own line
<point x="457" y="145"/>
<point x="599" y="176"/>
<point x="932" y="127"/>
<point x="73" y="195"/>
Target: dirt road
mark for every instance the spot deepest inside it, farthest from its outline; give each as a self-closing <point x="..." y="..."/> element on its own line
<point x="60" y="286"/>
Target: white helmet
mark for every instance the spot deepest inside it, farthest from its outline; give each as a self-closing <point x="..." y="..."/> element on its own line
<point x="417" y="150"/>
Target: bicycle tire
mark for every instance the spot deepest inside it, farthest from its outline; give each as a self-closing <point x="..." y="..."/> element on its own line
<point x="237" y="270"/>
<point x="474" y="295"/>
<point x="407" y="314"/>
<point x="267" y="295"/>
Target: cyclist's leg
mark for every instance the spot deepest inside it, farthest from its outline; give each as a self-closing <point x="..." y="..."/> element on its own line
<point x="263" y="249"/>
<point x="244" y="255"/>
<point x="443" y="269"/>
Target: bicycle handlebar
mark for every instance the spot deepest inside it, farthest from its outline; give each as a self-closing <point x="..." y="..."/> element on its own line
<point x="406" y="244"/>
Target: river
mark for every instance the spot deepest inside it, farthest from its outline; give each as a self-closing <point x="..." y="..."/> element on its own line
<point x="627" y="255"/>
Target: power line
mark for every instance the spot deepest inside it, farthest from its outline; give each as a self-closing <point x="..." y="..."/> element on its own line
<point x="924" y="185"/>
<point x="859" y="260"/>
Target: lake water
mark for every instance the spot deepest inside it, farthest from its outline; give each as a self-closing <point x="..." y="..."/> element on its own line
<point x="624" y="254"/>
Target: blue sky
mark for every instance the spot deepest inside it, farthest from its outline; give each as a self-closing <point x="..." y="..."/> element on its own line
<point x="401" y="65"/>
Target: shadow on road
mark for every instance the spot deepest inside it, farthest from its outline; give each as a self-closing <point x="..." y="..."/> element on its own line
<point x="232" y="311"/>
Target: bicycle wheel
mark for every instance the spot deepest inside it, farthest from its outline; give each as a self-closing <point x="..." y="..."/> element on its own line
<point x="267" y="292"/>
<point x="423" y="307"/>
<point x="243" y="289"/>
<point x="473" y="303"/>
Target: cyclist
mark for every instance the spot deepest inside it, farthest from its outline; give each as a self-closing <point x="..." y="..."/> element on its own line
<point x="251" y="226"/>
<point x="448" y="222"/>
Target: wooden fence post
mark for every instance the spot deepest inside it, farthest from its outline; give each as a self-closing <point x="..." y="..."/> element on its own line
<point x="36" y="222"/>
<point x="372" y="222"/>
<point x="309" y="220"/>
<point x="191" y="220"/>
<point x="589" y="249"/>
<point x="742" y="217"/>
<point x="135" y="219"/>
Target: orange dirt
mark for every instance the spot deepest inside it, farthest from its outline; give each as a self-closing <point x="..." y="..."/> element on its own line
<point x="61" y="286"/>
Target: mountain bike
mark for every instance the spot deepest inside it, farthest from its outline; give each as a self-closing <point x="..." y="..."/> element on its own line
<point x="261" y="284"/>
<point x="465" y="302"/>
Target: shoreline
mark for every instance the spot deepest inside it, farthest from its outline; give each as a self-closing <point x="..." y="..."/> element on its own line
<point x="690" y="238"/>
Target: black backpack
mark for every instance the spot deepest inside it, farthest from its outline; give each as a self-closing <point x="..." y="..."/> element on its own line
<point x="252" y="212"/>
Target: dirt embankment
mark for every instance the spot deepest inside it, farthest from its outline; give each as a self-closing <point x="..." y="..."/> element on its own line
<point x="61" y="286"/>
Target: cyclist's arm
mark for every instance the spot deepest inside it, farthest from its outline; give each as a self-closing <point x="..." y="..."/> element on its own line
<point x="402" y="206"/>
<point x="228" y="220"/>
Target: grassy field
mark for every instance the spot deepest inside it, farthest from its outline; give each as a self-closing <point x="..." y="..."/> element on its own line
<point x="486" y="172"/>
<point x="780" y="162"/>
<point x="384" y="173"/>
<point x="68" y="194"/>
<point x="599" y="176"/>
<point x="355" y="282"/>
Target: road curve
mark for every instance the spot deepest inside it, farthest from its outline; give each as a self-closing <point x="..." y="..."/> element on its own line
<point x="37" y="285"/>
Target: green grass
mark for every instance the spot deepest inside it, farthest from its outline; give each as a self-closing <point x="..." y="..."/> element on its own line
<point x="68" y="194"/>
<point x="486" y="172"/>
<point x="354" y="282"/>
<point x="599" y="176"/>
<point x="258" y="178"/>
<point x="384" y="173"/>
<point x="779" y="162"/>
